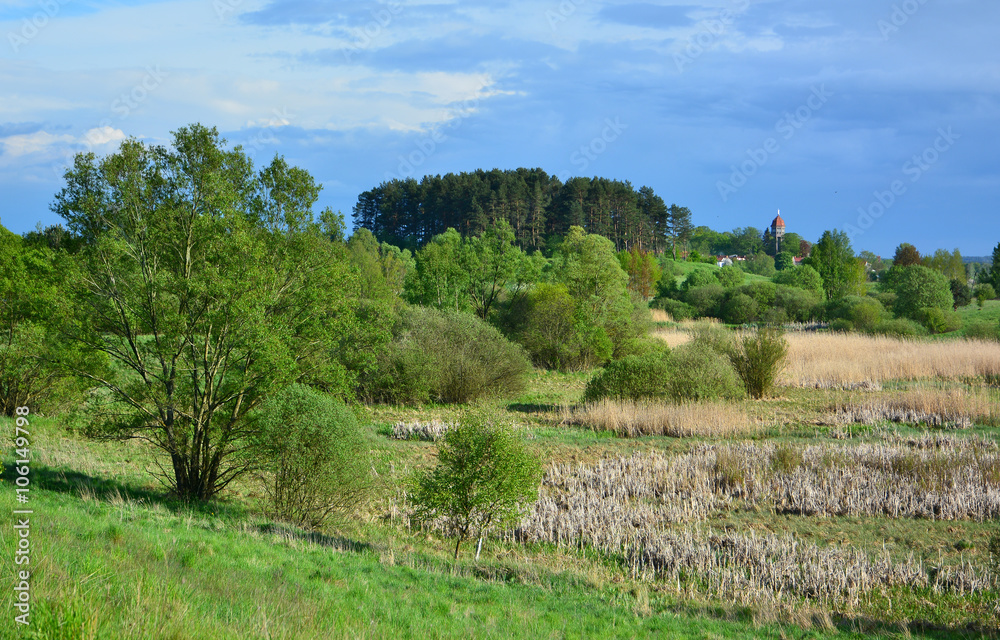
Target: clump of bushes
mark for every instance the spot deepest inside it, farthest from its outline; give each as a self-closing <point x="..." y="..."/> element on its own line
<point x="938" y="320"/>
<point x="982" y="330"/>
<point x="447" y="356"/>
<point x="678" y="310"/>
<point x="758" y="359"/>
<point x="899" y="328"/>
<point x="638" y="377"/>
<point x="699" y="372"/>
<point x="310" y="455"/>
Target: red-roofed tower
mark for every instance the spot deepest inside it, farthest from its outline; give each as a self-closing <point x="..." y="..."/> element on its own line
<point x="778" y="232"/>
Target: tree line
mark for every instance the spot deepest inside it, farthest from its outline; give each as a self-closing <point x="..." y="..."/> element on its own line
<point x="538" y="207"/>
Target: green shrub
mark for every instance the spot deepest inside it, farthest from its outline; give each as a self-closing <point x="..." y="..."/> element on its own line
<point x="800" y="305"/>
<point x="938" y="320"/>
<point x="631" y="378"/>
<point x="763" y="292"/>
<point x="758" y="359"/>
<point x="740" y="309"/>
<point x="699" y="372"/>
<point x="730" y="277"/>
<point x="678" y="310"/>
<point x="707" y="299"/>
<point x="983" y="292"/>
<point x="484" y="477"/>
<point x="713" y="335"/>
<point x="699" y="278"/>
<point x="841" y="325"/>
<point x="899" y="328"/>
<point x="917" y="287"/>
<point x="982" y="330"/>
<point x="775" y="316"/>
<point x="448" y="356"/>
<point x="760" y="264"/>
<point x="310" y="454"/>
<point x="804" y="277"/>
<point x="862" y="312"/>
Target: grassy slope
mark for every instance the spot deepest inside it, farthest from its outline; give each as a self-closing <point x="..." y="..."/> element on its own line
<point x="113" y="558"/>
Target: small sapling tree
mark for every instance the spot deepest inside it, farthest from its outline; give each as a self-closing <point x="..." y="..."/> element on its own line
<point x="758" y="359"/>
<point x="484" y="477"/>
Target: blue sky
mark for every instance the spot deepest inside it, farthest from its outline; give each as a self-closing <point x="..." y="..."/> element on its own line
<point x="880" y="117"/>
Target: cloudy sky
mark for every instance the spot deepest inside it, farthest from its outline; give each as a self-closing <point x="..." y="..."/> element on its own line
<point x="880" y="117"/>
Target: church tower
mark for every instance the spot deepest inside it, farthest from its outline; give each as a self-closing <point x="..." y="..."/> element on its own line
<point x="778" y="232"/>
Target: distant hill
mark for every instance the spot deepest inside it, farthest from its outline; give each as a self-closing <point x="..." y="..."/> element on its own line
<point x="983" y="259"/>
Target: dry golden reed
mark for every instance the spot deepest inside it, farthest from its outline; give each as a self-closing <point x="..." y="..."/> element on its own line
<point x="835" y="360"/>
<point x="633" y="419"/>
<point x="951" y="408"/>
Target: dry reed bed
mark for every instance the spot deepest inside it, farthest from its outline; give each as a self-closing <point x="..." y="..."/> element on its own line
<point x="432" y="430"/>
<point x="953" y="408"/>
<point x="836" y="360"/>
<point x="633" y="419"/>
<point x="622" y="505"/>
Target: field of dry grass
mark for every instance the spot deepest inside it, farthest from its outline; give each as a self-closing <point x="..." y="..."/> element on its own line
<point x="837" y="360"/>
<point x="634" y="419"/>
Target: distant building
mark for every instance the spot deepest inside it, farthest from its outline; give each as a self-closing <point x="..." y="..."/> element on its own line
<point x="778" y="233"/>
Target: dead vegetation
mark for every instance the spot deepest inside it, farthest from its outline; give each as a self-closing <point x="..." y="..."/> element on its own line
<point x="633" y="419"/>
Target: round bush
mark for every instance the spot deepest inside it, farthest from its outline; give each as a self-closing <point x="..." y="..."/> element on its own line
<point x="698" y="372"/>
<point x="706" y="300"/>
<point x="678" y="310"/>
<point x="899" y="328"/>
<point x="982" y="330"/>
<point x="939" y="320"/>
<point x="740" y="309"/>
<point x="631" y="378"/>
<point x="449" y="356"/>
<point x="310" y="454"/>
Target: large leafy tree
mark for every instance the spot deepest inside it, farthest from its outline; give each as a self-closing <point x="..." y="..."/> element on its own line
<point x="842" y="273"/>
<point x="209" y="285"/>
<point x="917" y="287"/>
<point x="906" y="255"/>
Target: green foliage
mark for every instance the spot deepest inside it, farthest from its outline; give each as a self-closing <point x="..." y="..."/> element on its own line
<point x="706" y="300"/>
<point x="740" y="309"/>
<point x="863" y="313"/>
<point x="982" y="330"/>
<point x="495" y="267"/>
<point x="785" y="260"/>
<point x="439" y="278"/>
<point x="699" y="278"/>
<point x="556" y="333"/>
<point x="917" y="287"/>
<point x="714" y="336"/>
<point x="799" y="305"/>
<point x="899" y="328"/>
<point x="643" y="271"/>
<point x="484" y="477"/>
<point x="730" y="277"/>
<point x="984" y="292"/>
<point x="833" y="258"/>
<point x="961" y="292"/>
<point x="950" y="264"/>
<point x="760" y="264"/>
<point x="700" y="372"/>
<point x="762" y="291"/>
<point x="632" y="378"/>
<point x="939" y="320"/>
<point x="803" y="277"/>
<point x="447" y="356"/>
<point x="209" y="286"/>
<point x="310" y="455"/>
<point x="758" y="359"/>
<point x="678" y="310"/>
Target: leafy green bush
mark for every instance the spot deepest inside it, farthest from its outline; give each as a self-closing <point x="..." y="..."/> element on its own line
<point x="983" y="292"/>
<point x="631" y="378"/>
<point x="939" y="320"/>
<point x="699" y="372"/>
<point x="740" y="309"/>
<point x="917" y="287"/>
<point x="760" y="264"/>
<point x="803" y="277"/>
<point x="730" y="277"/>
<point x="699" y="278"/>
<point x="799" y="305"/>
<point x="982" y="330"/>
<point x="862" y="312"/>
<point x="714" y="336"/>
<point x="706" y="299"/>
<point x="484" y="477"/>
<point x="899" y="328"/>
<point x="758" y="359"/>
<point x="447" y="356"/>
<point x="678" y="310"/>
<point x="310" y="454"/>
<point x="841" y="325"/>
<point x="763" y="292"/>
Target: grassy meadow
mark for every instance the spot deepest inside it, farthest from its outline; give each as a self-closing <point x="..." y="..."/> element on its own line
<point x="858" y="502"/>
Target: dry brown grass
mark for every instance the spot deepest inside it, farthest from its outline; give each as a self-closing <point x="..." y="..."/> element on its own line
<point x="954" y="408"/>
<point x="826" y="360"/>
<point x="674" y="337"/>
<point x="633" y="419"/>
<point x="659" y="315"/>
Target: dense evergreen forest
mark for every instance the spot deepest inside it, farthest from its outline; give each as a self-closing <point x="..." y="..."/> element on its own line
<point x="537" y="206"/>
